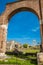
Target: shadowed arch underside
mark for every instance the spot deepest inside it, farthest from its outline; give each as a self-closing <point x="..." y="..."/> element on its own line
<point x="22" y="9"/>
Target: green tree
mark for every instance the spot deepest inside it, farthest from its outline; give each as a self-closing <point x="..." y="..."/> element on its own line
<point x="25" y="45"/>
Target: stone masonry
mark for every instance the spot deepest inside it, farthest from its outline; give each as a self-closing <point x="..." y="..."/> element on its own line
<point x="35" y="6"/>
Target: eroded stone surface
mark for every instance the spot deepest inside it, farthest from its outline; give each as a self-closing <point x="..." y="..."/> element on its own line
<point x="40" y="58"/>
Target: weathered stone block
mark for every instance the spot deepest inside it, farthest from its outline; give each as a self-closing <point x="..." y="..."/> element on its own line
<point x="40" y="58"/>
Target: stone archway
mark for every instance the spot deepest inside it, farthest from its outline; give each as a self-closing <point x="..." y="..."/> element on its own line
<point x="35" y="6"/>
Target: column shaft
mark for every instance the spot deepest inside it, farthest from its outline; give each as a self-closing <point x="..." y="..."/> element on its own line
<point x="42" y="37"/>
<point x="3" y="32"/>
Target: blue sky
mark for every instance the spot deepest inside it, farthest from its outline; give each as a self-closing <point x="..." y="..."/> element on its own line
<point x="3" y="4"/>
<point x="23" y="27"/>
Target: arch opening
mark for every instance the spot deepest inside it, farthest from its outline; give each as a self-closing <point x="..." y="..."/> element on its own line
<point x="14" y="13"/>
<point x="34" y="23"/>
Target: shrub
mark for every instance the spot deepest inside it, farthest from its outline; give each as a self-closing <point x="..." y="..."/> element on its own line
<point x="25" y="45"/>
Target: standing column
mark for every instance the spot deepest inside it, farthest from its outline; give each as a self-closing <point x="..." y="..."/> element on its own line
<point x="41" y="27"/>
<point x="3" y="33"/>
<point x="40" y="54"/>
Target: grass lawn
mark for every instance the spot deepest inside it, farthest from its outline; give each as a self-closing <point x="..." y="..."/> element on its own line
<point x="21" y="60"/>
<point x="30" y="51"/>
<point x="18" y="61"/>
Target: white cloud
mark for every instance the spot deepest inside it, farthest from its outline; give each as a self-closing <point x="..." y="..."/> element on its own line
<point x="34" y="42"/>
<point x="36" y="29"/>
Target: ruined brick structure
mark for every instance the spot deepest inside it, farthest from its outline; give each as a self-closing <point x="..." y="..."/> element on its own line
<point x="35" y="6"/>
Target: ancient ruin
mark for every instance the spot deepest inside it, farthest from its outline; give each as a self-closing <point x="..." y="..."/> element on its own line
<point x="35" y="6"/>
